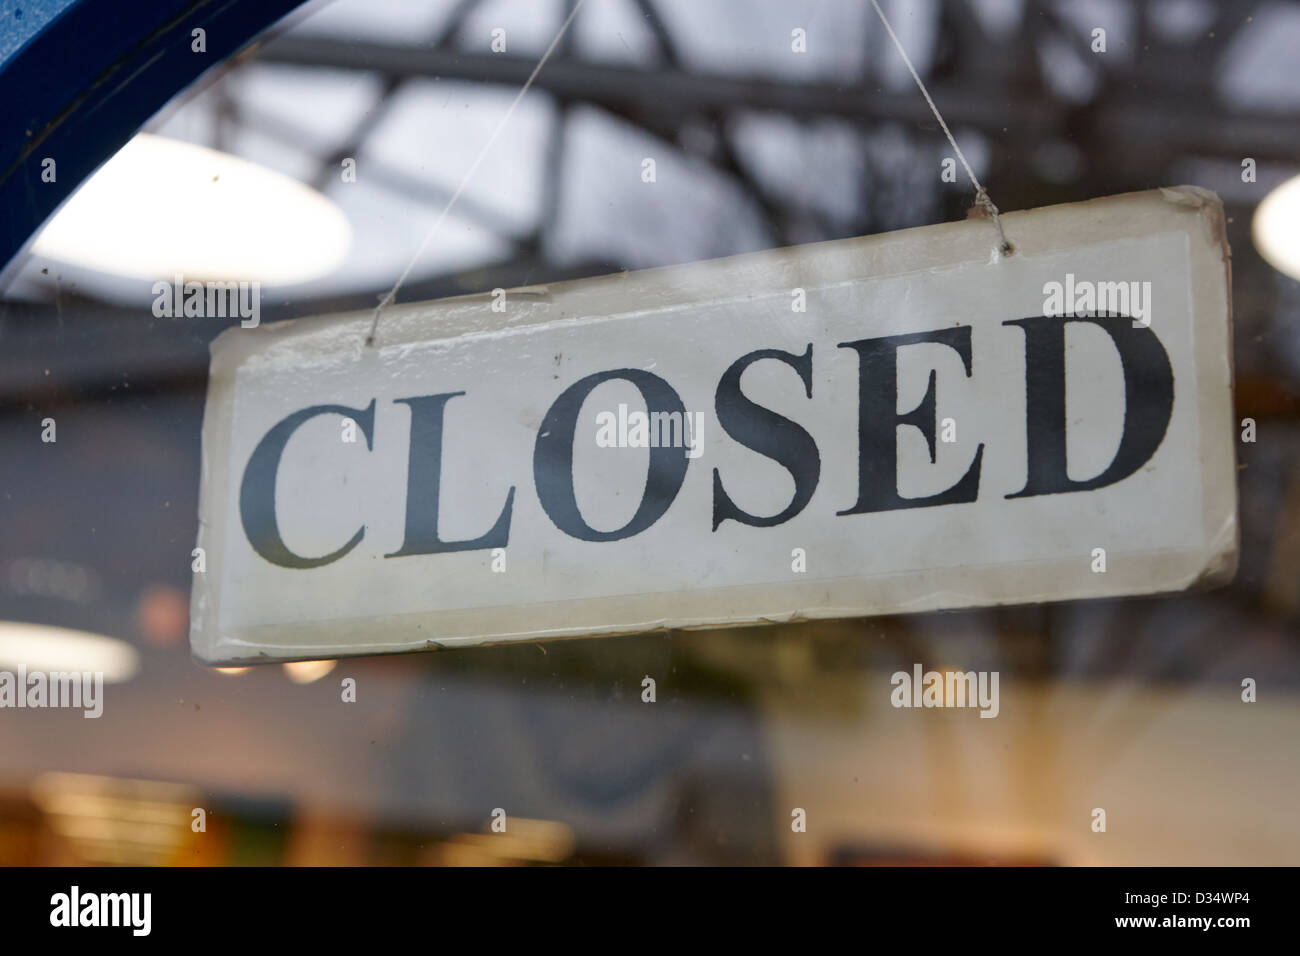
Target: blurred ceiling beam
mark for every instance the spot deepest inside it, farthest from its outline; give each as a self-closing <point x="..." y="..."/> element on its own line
<point x="1163" y="120"/>
<point x="660" y="90"/>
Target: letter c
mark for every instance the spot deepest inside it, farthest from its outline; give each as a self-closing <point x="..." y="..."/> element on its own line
<point x="257" y="492"/>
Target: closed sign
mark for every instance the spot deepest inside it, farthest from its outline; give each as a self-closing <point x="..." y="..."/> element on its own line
<point x="889" y="424"/>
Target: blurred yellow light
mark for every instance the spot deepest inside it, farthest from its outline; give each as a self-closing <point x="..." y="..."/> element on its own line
<point x="39" y="647"/>
<point x="106" y="820"/>
<point x="162" y="207"/>
<point x="304" y="672"/>
<point x="1276" y="228"/>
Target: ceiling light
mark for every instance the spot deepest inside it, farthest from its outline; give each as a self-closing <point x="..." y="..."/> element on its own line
<point x="304" y="672"/>
<point x="39" y="647"/>
<point x="163" y="207"/>
<point x="1276" y="228"/>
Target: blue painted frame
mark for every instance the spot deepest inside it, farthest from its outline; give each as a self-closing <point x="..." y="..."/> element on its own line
<point x="78" y="78"/>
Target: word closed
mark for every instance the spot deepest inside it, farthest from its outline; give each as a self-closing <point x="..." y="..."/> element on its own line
<point x="923" y="431"/>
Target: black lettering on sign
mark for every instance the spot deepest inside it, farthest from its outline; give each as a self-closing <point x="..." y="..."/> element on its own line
<point x="878" y="422"/>
<point x="424" y="479"/>
<point x="771" y="435"/>
<point x="1148" y="407"/>
<point x="553" y="457"/>
<point x="1148" y="401"/>
<point x="257" y="492"/>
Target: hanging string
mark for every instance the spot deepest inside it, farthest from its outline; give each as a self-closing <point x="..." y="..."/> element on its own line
<point x="469" y="174"/>
<point x="981" y="194"/>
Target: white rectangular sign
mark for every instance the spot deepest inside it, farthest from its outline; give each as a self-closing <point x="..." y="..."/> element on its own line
<point x="888" y="424"/>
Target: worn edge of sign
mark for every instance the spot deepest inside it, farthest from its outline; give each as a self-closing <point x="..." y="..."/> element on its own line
<point x="871" y="257"/>
<point x="1225" y="546"/>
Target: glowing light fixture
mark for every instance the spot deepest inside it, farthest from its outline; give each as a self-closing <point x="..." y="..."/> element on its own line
<point x="304" y="672"/>
<point x="1276" y="228"/>
<point x="39" y="647"/>
<point x="163" y="207"/>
